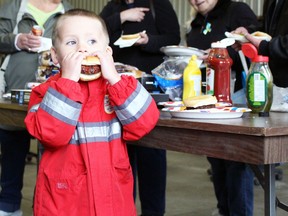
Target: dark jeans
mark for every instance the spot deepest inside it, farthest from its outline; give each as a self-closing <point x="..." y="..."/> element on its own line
<point x="14" y="148"/>
<point x="149" y="168"/>
<point x="233" y="185"/>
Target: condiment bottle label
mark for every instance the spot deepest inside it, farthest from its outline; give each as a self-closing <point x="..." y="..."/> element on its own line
<point x="197" y="84"/>
<point x="257" y="89"/>
<point x="210" y="73"/>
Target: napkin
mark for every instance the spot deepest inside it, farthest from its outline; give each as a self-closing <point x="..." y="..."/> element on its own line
<point x="46" y="44"/>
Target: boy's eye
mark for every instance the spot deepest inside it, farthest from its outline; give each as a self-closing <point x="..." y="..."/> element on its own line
<point x="70" y="43"/>
<point x="91" y="42"/>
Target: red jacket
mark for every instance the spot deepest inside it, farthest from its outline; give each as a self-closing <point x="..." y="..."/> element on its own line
<point x="85" y="168"/>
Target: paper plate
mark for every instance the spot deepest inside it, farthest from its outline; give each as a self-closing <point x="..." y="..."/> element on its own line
<point x="171" y="104"/>
<point x="199" y="115"/>
<point x="125" y="43"/>
<point x="214" y="113"/>
<point x="242" y="39"/>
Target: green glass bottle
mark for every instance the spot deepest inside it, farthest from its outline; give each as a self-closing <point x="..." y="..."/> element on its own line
<point x="259" y="82"/>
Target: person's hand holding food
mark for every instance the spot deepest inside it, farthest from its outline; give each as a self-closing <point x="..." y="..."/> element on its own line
<point x="28" y="42"/>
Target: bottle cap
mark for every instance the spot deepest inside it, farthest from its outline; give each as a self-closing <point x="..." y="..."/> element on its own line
<point x="218" y="45"/>
<point x="251" y="52"/>
<point x="223" y="43"/>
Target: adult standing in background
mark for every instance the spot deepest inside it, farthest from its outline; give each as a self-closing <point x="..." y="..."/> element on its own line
<point x="21" y="68"/>
<point x="233" y="181"/>
<point x="159" y="20"/>
<point x="275" y="14"/>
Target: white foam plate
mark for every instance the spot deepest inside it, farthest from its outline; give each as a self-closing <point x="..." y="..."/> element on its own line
<point x="181" y="51"/>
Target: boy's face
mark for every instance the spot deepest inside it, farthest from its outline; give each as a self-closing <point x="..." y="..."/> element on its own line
<point x="79" y="34"/>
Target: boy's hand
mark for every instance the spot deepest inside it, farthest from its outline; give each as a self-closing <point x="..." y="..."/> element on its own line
<point x="71" y="65"/>
<point x="108" y="69"/>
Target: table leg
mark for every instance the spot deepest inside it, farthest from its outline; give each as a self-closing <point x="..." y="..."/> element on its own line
<point x="269" y="190"/>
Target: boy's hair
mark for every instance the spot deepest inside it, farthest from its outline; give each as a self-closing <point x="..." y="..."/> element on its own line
<point x="78" y="12"/>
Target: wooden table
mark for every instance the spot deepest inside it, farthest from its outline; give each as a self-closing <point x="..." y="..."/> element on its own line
<point x="12" y="114"/>
<point x="250" y="139"/>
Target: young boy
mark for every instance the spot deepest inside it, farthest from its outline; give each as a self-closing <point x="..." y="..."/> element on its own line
<point x="82" y="125"/>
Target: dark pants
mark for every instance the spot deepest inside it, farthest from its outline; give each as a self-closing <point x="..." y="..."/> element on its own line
<point x="233" y="185"/>
<point x="149" y="168"/>
<point x="14" y="148"/>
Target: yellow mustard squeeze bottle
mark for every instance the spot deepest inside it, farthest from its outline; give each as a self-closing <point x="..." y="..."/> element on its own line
<point x="192" y="79"/>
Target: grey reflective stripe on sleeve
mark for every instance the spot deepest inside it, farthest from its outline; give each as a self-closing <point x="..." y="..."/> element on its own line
<point x="61" y="107"/>
<point x="34" y="108"/>
<point x="134" y="106"/>
<point x="91" y="132"/>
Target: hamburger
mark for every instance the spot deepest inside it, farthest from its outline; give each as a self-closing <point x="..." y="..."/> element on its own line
<point x="128" y="70"/>
<point x="200" y="102"/>
<point x="90" y="68"/>
<point x="130" y="36"/>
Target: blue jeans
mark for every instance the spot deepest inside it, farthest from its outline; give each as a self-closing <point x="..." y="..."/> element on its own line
<point x="150" y="168"/>
<point x="14" y="148"/>
<point x="233" y="185"/>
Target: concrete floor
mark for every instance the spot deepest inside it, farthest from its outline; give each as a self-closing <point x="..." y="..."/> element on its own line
<point x="189" y="190"/>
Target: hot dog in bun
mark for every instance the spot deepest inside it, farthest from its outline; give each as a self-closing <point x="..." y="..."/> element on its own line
<point x="130" y="36"/>
<point x="90" y="68"/>
<point x="261" y="34"/>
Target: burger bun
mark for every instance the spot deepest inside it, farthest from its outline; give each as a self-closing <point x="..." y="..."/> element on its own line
<point x="90" y="77"/>
<point x="200" y="102"/>
<point x="130" y="36"/>
<point x="91" y="60"/>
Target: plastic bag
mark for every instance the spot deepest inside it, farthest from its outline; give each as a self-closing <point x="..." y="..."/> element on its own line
<point x="169" y="76"/>
<point x="280" y="99"/>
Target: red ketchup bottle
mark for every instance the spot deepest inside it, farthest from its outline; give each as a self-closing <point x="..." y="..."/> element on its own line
<point x="218" y="73"/>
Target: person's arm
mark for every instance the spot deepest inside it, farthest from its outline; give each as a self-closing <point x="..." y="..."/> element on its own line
<point x="112" y="20"/>
<point x="276" y="48"/>
<point x="7" y="38"/>
<point x="13" y="42"/>
<point x="167" y="26"/>
<point x="53" y="111"/>
<point x="134" y="107"/>
<point x="241" y="16"/>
